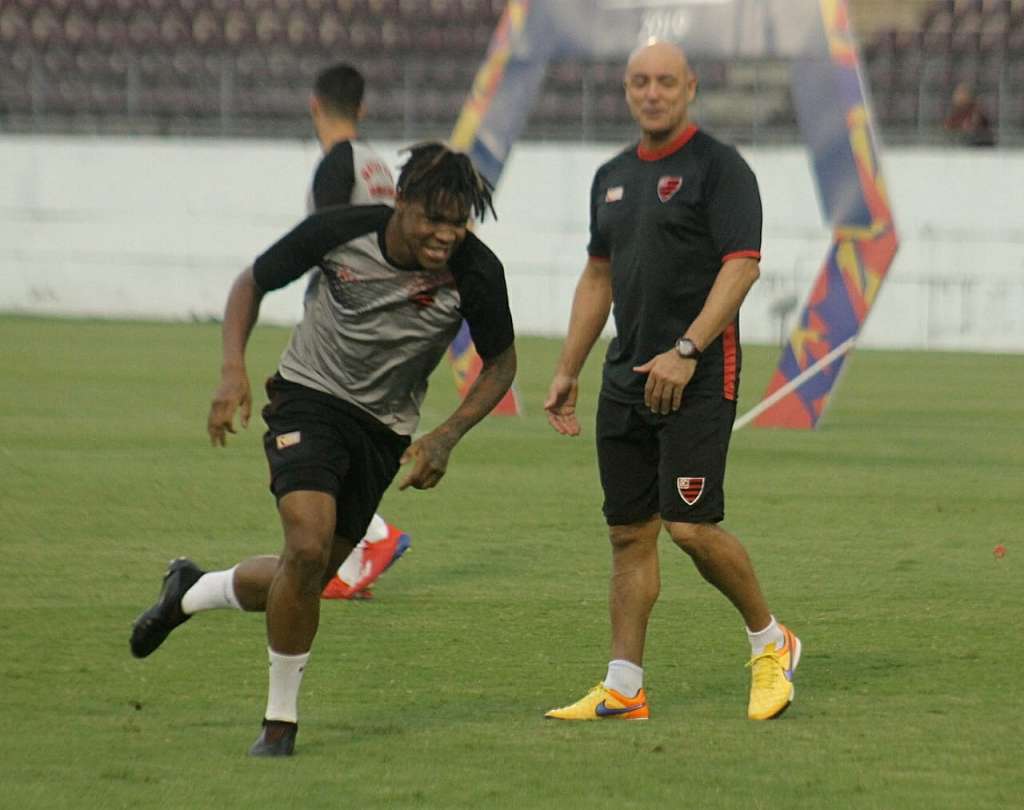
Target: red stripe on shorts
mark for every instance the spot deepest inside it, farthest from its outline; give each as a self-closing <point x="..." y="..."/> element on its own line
<point x="729" y="362"/>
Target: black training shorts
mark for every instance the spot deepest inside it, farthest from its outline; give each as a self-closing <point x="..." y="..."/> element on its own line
<point x="672" y="466"/>
<point x="317" y="442"/>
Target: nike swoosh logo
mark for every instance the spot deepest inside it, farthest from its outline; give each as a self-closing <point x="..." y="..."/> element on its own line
<point x="602" y="710"/>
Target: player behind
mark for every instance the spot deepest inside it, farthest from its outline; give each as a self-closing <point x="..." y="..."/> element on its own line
<point x="351" y="173"/>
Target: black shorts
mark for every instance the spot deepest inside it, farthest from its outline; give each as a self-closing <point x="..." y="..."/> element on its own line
<point x="672" y="466"/>
<point x="317" y="442"/>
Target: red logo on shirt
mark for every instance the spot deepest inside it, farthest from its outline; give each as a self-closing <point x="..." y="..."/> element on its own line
<point x="378" y="181"/>
<point x="690" y="489"/>
<point x="668" y="186"/>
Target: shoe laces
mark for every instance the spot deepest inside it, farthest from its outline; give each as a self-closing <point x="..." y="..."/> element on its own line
<point x="766" y="669"/>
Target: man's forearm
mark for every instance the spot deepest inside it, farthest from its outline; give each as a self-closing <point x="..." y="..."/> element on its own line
<point x="591" y="304"/>
<point x="495" y="379"/>
<point x="734" y="281"/>
<point x="240" y="315"/>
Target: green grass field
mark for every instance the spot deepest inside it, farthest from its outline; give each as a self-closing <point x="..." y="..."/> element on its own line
<point x="873" y="538"/>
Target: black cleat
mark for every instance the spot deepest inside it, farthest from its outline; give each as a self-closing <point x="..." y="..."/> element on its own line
<point x="276" y="740"/>
<point x="153" y="626"/>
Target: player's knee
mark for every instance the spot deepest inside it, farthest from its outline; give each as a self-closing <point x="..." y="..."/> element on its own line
<point x="633" y="535"/>
<point x="307" y="546"/>
<point x="305" y="562"/>
<point x="693" y="538"/>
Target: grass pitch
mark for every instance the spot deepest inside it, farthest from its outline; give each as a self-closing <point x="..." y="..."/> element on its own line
<point x="873" y="538"/>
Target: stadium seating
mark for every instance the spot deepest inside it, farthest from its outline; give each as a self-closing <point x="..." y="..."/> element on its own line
<point x="244" y="66"/>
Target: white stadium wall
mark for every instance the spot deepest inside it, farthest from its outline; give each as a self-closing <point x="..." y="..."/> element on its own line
<point x="150" y="228"/>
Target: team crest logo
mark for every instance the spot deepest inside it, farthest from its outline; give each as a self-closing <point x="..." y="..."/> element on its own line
<point x="614" y="194"/>
<point x="690" y="489"/>
<point x="668" y="186"/>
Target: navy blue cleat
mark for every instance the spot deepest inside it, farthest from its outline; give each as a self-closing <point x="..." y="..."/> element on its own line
<point x="153" y="626"/>
<point x="276" y="740"/>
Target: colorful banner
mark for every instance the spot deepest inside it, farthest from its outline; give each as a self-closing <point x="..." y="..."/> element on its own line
<point x="492" y="118"/>
<point x="836" y="124"/>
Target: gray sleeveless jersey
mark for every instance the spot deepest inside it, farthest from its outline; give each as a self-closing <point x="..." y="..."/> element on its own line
<point x="372" y="333"/>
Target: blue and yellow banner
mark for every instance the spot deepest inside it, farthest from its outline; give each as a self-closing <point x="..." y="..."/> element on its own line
<point x="836" y="124"/>
<point x="491" y="119"/>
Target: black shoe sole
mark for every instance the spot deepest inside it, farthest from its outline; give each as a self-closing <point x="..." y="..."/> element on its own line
<point x="156" y="623"/>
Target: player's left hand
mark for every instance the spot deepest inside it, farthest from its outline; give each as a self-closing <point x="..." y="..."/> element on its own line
<point x="667" y="376"/>
<point x="429" y="456"/>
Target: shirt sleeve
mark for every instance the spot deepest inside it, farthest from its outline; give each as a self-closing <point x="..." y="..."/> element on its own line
<point x="293" y="254"/>
<point x="335" y="177"/>
<point x="480" y="279"/>
<point x="597" y="246"/>
<point x="307" y="243"/>
<point x="734" y="207"/>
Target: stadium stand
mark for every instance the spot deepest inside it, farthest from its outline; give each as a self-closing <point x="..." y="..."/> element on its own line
<point x="241" y="67"/>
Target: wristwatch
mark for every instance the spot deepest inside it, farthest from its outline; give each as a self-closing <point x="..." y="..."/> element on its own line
<point x="687" y="349"/>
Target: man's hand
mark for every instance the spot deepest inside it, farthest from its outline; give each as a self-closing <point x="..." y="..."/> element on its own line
<point x="667" y="376"/>
<point x="231" y="395"/>
<point x="560" y="406"/>
<point x="429" y="455"/>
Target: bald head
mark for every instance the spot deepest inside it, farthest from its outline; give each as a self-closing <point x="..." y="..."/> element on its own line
<point x="659" y="88"/>
<point x="663" y="56"/>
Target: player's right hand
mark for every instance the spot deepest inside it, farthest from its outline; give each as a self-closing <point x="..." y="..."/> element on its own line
<point x="560" y="406"/>
<point x="233" y="393"/>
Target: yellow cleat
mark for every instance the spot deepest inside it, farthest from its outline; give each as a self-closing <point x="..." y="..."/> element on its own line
<point x="771" y="683"/>
<point x="601" y="703"/>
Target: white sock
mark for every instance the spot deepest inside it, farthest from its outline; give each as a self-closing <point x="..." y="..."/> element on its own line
<point x="377" y="530"/>
<point x="624" y="677"/>
<point x="760" y="639"/>
<point x="285" y="680"/>
<point x="211" y="591"/>
<point x="350" y="570"/>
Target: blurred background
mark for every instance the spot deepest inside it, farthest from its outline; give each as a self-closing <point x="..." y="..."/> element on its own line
<point x="149" y="149"/>
<point x="233" y="67"/>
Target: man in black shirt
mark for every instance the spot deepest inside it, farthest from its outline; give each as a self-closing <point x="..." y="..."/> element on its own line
<point x="675" y="239"/>
<point x="390" y="291"/>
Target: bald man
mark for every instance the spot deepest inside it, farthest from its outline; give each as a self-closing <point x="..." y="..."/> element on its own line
<point x="675" y="241"/>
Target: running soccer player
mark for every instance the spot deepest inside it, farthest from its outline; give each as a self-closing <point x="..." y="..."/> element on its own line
<point x="391" y="289"/>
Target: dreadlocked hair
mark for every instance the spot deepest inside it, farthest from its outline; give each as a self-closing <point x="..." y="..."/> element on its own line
<point x="437" y="176"/>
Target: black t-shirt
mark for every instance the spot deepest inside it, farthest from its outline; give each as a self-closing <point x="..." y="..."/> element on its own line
<point x="667" y="221"/>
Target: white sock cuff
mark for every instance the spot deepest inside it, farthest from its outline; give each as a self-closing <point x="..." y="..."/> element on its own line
<point x="287" y="659"/>
<point x="377" y="530"/>
<point x="759" y="639"/>
<point x="628" y="666"/>
<point x="229" y="589"/>
<point x="771" y="625"/>
<point x="213" y="590"/>
<point x="624" y="677"/>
